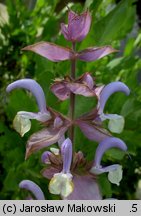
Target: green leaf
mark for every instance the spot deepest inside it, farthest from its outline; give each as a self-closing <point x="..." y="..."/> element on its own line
<point x="129" y="48"/>
<point x="93" y="4"/>
<point x="114" y="154"/>
<point x="114" y="63"/>
<point x="116" y="24"/>
<point x="11" y="180"/>
<point x="105" y="186"/>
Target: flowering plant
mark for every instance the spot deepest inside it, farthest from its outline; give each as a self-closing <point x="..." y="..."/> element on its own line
<point x="71" y="175"/>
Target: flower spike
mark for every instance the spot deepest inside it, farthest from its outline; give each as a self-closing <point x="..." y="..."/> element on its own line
<point x="32" y="187"/>
<point x="71" y="175"/>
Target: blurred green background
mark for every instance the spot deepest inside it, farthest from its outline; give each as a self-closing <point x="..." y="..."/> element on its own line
<point x="24" y="22"/>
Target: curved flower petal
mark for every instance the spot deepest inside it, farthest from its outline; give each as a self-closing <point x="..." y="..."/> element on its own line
<point x="106" y="144"/>
<point x="32" y="187"/>
<point x="114" y="171"/>
<point x="66" y="152"/>
<point x="85" y="188"/>
<point x="94" y="53"/>
<point x="50" y="51"/>
<point x="34" y="88"/>
<point x="108" y="90"/>
<point x="22" y="122"/>
<point x="116" y="123"/>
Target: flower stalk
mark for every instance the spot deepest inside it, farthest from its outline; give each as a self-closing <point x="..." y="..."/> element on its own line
<point x="72" y="97"/>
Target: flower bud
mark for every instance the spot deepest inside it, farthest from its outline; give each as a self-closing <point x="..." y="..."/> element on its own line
<point x="78" y="26"/>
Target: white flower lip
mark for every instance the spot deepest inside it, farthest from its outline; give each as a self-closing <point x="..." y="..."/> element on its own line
<point x="61" y="184"/>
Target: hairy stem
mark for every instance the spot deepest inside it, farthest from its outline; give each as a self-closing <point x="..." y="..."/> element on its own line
<point x="72" y="98"/>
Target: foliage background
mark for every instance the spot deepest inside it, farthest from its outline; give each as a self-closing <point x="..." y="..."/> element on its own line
<point x="114" y="23"/>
